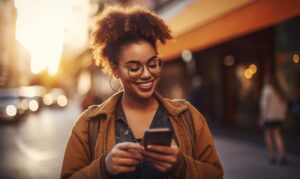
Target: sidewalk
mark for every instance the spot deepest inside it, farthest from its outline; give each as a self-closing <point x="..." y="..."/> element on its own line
<point x="244" y="157"/>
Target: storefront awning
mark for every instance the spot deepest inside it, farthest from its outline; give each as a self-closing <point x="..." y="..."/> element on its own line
<point x="207" y="23"/>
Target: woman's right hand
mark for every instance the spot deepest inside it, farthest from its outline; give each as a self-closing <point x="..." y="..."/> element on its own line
<point x="123" y="158"/>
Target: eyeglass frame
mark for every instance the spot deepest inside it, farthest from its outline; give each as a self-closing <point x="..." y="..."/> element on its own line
<point x="160" y="64"/>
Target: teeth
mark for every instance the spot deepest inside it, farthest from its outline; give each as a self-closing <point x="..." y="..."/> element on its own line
<point x="146" y="85"/>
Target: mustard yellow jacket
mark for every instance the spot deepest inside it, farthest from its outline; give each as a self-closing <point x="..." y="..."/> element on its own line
<point x="76" y="163"/>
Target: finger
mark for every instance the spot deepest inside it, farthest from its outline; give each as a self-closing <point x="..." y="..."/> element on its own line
<point x="173" y="150"/>
<point x="128" y="154"/>
<point x="125" y="161"/>
<point x="159" y="157"/>
<point x="161" y="167"/>
<point x="130" y="146"/>
<point x="160" y="163"/>
<point x="173" y="143"/>
<point x="123" y="169"/>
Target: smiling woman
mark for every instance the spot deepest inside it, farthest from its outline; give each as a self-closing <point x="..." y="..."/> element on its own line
<point x="42" y="32"/>
<point x="125" y="45"/>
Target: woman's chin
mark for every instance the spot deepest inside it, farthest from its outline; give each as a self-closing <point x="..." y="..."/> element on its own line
<point x="145" y="93"/>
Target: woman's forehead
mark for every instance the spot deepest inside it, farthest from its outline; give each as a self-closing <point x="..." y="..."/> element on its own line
<point x="140" y="51"/>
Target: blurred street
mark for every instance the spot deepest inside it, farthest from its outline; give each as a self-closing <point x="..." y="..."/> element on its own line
<point x="247" y="160"/>
<point x="33" y="148"/>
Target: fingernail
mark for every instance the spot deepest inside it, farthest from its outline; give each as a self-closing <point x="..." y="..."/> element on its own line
<point x="149" y="146"/>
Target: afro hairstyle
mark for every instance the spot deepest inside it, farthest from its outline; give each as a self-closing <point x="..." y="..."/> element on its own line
<point x="119" y="26"/>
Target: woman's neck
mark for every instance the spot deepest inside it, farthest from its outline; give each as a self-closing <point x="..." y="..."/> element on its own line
<point x="139" y="103"/>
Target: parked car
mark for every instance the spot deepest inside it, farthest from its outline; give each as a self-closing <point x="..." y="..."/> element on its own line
<point x="12" y="106"/>
<point x="56" y="97"/>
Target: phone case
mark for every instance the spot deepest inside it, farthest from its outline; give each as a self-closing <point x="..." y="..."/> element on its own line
<point x="158" y="136"/>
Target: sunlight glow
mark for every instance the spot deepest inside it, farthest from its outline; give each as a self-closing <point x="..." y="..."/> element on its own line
<point x="40" y="27"/>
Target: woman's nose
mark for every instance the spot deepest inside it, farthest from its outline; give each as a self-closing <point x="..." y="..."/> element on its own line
<point x="146" y="73"/>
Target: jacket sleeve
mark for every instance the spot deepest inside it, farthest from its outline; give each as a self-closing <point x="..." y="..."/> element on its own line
<point x="76" y="163"/>
<point x="207" y="164"/>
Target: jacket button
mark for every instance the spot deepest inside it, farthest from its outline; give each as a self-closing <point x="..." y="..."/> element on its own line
<point x="126" y="132"/>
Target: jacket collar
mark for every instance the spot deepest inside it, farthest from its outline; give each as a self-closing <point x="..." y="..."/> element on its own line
<point x="173" y="107"/>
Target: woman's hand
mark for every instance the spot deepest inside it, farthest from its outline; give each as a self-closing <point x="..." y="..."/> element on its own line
<point x="161" y="157"/>
<point x="123" y="158"/>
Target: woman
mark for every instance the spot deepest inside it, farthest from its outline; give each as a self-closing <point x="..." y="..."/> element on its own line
<point x="125" y="45"/>
<point x="273" y="110"/>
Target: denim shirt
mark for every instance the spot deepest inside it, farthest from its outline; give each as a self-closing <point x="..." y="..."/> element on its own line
<point x="144" y="170"/>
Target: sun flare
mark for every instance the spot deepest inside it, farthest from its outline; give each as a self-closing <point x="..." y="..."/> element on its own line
<point x="40" y="27"/>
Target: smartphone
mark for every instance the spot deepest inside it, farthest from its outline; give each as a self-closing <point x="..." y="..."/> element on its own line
<point x="158" y="136"/>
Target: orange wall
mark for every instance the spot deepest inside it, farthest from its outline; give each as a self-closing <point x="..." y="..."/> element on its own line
<point x="253" y="17"/>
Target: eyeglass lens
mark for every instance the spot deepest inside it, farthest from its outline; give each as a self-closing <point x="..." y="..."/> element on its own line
<point x="136" y="69"/>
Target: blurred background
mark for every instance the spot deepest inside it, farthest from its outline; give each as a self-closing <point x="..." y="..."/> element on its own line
<point x="220" y="55"/>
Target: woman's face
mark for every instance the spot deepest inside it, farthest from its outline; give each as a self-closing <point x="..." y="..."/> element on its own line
<point x="139" y="69"/>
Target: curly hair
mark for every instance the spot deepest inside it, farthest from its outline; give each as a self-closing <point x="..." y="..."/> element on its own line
<point x="119" y="26"/>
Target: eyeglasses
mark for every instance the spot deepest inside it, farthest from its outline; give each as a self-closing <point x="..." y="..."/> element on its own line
<point x="136" y="69"/>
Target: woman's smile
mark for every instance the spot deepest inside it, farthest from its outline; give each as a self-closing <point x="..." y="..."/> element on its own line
<point x="146" y="85"/>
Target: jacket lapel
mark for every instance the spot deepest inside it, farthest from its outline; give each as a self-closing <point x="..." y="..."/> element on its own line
<point x="107" y="108"/>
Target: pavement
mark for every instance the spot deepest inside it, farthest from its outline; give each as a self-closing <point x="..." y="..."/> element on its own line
<point x="244" y="156"/>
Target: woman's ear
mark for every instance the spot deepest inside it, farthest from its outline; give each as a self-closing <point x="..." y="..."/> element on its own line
<point x="115" y="71"/>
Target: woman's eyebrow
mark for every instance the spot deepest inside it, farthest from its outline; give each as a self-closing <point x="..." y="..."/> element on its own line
<point x="151" y="58"/>
<point x="132" y="61"/>
<point x="136" y="61"/>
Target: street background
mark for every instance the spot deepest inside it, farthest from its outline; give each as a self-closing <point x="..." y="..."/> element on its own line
<point x="34" y="148"/>
<point x="221" y="53"/>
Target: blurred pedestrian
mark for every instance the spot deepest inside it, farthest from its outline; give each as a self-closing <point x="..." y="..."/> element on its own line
<point x="125" y="43"/>
<point x="273" y="114"/>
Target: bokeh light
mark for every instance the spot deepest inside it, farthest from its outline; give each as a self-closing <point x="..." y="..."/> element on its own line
<point x="33" y="105"/>
<point x="253" y="68"/>
<point x="47" y="99"/>
<point x="11" y="110"/>
<point x="62" y="100"/>
<point x="248" y="74"/>
<point x="296" y="58"/>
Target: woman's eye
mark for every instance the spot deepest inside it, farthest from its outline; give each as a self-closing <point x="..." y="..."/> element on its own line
<point x="133" y="67"/>
<point x="152" y="64"/>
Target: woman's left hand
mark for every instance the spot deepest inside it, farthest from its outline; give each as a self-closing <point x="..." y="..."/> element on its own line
<point x="161" y="157"/>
